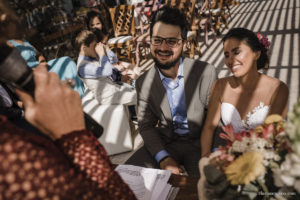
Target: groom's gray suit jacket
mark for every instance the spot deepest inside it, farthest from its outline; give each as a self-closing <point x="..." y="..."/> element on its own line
<point x="154" y="114"/>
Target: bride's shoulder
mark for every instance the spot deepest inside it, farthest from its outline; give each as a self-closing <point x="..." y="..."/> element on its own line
<point x="271" y="81"/>
<point x="224" y="82"/>
<point x="275" y="84"/>
<point x="220" y="85"/>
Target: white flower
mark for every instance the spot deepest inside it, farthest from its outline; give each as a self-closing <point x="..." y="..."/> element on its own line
<point x="269" y="155"/>
<point x="257" y="144"/>
<point x="280" y="195"/>
<point x="289" y="172"/>
<point x="296" y="147"/>
<point x="297" y="186"/>
<point x="294" y="157"/>
<point x="295" y="171"/>
<point x="277" y="178"/>
<point x="287" y="179"/>
<point x="287" y="164"/>
<point x="241" y="146"/>
<point x="254" y="143"/>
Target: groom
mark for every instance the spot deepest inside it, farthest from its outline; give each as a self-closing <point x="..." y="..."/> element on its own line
<point x="172" y="99"/>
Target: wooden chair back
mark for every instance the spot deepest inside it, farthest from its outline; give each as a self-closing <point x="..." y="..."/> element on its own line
<point x="144" y="11"/>
<point x="187" y="7"/>
<point x="122" y="17"/>
<point x="212" y="4"/>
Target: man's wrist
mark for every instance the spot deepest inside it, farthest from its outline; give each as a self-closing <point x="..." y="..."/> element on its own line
<point x="164" y="158"/>
<point x="160" y="155"/>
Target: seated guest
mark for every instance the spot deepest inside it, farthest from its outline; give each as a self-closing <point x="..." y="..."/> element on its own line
<point x="248" y="96"/>
<point x="101" y="37"/>
<point x="98" y="70"/>
<point x="125" y="67"/>
<point x="70" y="165"/>
<point x="94" y="20"/>
<point x="10" y="105"/>
<point x="172" y="99"/>
<point x="65" y="67"/>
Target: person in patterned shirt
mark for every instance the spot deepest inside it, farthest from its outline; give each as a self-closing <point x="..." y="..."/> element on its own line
<point x="70" y="165"/>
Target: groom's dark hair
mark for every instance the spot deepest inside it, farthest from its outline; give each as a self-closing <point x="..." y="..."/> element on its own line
<point x="172" y="16"/>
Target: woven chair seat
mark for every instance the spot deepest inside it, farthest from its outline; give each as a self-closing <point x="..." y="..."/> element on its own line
<point x="124" y="29"/>
<point x="191" y="34"/>
<point x="120" y="39"/>
<point x="213" y="11"/>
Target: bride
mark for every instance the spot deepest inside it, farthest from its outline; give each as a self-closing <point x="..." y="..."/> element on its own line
<point x="246" y="98"/>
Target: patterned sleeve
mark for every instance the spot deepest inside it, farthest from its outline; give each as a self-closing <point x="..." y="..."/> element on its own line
<point x="74" y="167"/>
<point x="94" y="69"/>
<point x="112" y="57"/>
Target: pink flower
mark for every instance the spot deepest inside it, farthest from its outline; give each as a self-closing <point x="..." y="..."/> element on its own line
<point x="263" y="40"/>
<point x="239" y="136"/>
<point x="267" y="131"/>
<point x="259" y="36"/>
<point x="229" y="133"/>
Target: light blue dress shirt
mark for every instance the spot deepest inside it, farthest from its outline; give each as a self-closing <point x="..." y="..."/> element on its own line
<point x="176" y="97"/>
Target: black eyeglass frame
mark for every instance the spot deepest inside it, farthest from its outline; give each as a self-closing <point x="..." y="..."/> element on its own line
<point x="167" y="41"/>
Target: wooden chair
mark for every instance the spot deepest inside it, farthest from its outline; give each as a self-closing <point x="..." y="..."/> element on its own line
<point x="144" y="11"/>
<point x="188" y="7"/>
<point x="122" y="44"/>
<point x="215" y="11"/>
<point x="229" y="3"/>
<point x="206" y="21"/>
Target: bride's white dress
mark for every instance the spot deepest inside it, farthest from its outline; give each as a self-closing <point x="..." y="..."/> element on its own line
<point x="230" y="115"/>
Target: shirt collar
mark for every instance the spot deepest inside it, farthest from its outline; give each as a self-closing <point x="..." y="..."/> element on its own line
<point x="179" y="74"/>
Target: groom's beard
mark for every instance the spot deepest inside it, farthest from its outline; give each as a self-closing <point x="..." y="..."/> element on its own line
<point x="166" y="65"/>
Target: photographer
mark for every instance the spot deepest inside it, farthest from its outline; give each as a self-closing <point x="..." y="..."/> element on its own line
<point x="70" y="163"/>
<point x="74" y="165"/>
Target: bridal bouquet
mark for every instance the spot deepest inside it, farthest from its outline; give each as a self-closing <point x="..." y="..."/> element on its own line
<point x="257" y="164"/>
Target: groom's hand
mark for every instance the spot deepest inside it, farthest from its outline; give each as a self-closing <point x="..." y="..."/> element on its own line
<point x="170" y="164"/>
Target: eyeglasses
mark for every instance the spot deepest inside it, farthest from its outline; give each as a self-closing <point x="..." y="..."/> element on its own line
<point x="171" y="42"/>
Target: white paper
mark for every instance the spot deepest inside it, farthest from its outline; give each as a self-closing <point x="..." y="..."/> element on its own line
<point x="149" y="176"/>
<point x="134" y="180"/>
<point x="146" y="183"/>
<point x="165" y="192"/>
<point x="172" y="193"/>
<point x="161" y="183"/>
